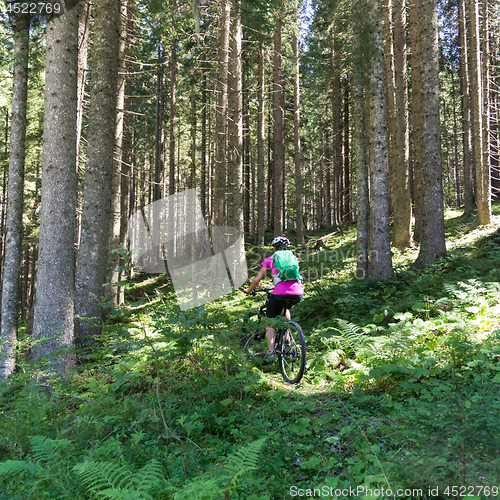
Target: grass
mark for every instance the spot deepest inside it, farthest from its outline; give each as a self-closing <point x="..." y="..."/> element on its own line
<point x="400" y="395"/>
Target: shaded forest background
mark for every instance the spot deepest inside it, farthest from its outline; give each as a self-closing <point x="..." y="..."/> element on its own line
<point x="285" y="117"/>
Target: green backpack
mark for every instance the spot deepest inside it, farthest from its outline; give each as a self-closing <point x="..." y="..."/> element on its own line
<point x="287" y="265"/>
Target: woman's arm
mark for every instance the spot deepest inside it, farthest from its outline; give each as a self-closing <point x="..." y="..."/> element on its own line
<point x="256" y="280"/>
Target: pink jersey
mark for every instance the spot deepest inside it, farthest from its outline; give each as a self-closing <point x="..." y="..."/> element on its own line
<point x="283" y="287"/>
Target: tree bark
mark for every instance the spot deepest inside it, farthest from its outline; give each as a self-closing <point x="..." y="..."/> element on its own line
<point x="53" y="319"/>
<point x="390" y="90"/>
<point x="235" y="128"/>
<point x="296" y="136"/>
<point x="219" y="190"/>
<point x="466" y="114"/>
<point x="416" y="118"/>
<point x="402" y="217"/>
<point x="278" y="129"/>
<point x="159" y="129"/>
<point x="432" y="245"/>
<point x="261" y="126"/>
<point x="359" y="147"/>
<point x="112" y="292"/>
<point x="379" y="247"/>
<point x="482" y="171"/>
<point x="485" y="73"/>
<point x="173" y="110"/>
<point x="83" y="42"/>
<point x="96" y="212"/>
<point x="14" y="216"/>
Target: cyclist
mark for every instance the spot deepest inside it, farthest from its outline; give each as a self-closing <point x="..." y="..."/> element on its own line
<point x="284" y="292"/>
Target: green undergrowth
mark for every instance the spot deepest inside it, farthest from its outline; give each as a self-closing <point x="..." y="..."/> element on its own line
<point x="400" y="398"/>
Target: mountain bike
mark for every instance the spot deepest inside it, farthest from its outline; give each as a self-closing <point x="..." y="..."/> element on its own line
<point x="290" y="344"/>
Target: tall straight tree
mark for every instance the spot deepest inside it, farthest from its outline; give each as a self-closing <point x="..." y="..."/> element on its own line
<point x="379" y="245"/>
<point x="113" y="292"/>
<point x="235" y="127"/>
<point x="487" y="112"/>
<point x="261" y="122"/>
<point x="219" y="189"/>
<point x="97" y="193"/>
<point x="416" y="91"/>
<point x="83" y="42"/>
<point x="466" y="118"/>
<point x="296" y="133"/>
<point x="482" y="170"/>
<point x="53" y="320"/>
<point x="402" y="217"/>
<point x="359" y="145"/>
<point x="173" y="104"/>
<point x="432" y="245"/>
<point x="14" y="218"/>
<point x="278" y="129"/>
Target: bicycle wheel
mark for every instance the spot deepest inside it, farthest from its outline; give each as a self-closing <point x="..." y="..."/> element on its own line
<point x="292" y="356"/>
<point x="253" y="338"/>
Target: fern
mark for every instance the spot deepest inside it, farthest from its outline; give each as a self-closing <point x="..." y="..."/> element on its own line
<point x="15" y="467"/>
<point x="211" y="486"/>
<point x="244" y="460"/>
<point x="45" y="449"/>
<point x="108" y="480"/>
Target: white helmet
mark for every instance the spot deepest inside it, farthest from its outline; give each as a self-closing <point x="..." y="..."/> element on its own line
<point x="280" y="242"/>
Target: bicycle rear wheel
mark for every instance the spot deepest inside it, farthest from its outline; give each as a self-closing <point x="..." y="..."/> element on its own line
<point x="253" y="338"/>
<point x="292" y="356"/>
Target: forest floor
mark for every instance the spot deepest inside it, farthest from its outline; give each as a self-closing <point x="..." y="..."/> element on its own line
<point x="400" y="398"/>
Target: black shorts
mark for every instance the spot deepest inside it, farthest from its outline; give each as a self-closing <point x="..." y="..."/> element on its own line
<point x="276" y="303"/>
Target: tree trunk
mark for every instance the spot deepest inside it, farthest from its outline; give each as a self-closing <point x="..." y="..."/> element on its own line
<point x="126" y="186"/>
<point x="96" y="213"/>
<point x="247" y="165"/>
<point x="112" y="292"/>
<point x="433" y="244"/>
<point x="482" y="172"/>
<point x="416" y="85"/>
<point x="380" y="259"/>
<point x="83" y="42"/>
<point x="279" y="132"/>
<point x="486" y="214"/>
<point x="219" y="191"/>
<point x="390" y="90"/>
<point x="53" y="316"/>
<point x="296" y="136"/>
<point x="159" y="124"/>
<point x="3" y="208"/>
<point x="14" y="217"/>
<point x="204" y="177"/>
<point x="455" y="142"/>
<point x="466" y="114"/>
<point x="402" y="218"/>
<point x="347" y="210"/>
<point x="261" y="126"/>
<point x="336" y="149"/>
<point x="173" y="110"/>
<point x="235" y="129"/>
<point x="362" y="175"/>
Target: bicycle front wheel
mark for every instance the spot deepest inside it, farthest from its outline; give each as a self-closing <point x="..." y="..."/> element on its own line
<point x="292" y="354"/>
<point x="253" y="336"/>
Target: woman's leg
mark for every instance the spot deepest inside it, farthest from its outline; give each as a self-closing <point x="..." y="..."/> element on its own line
<point x="271" y="337"/>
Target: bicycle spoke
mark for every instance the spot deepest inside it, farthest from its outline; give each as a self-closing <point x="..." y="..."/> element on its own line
<point x="253" y="336"/>
<point x="292" y="356"/>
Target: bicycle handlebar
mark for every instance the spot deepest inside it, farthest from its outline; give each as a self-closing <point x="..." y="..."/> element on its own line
<point x="260" y="290"/>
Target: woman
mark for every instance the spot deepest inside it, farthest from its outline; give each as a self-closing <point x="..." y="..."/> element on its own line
<point x="290" y="291"/>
